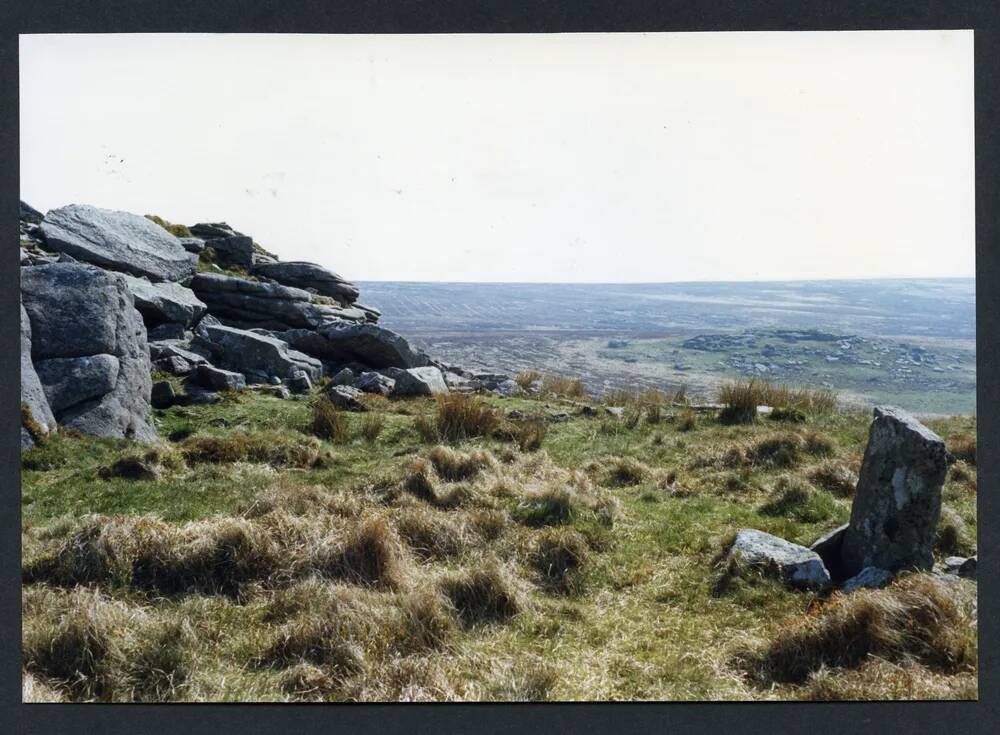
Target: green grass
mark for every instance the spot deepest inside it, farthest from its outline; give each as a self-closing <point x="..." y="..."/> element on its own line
<point x="631" y="611"/>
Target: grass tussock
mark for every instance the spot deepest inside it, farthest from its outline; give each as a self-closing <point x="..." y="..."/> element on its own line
<point x="372" y="554"/>
<point x="914" y="619"/>
<point x="964" y="448"/>
<point x="174" y="229"/>
<point x="795" y="498"/>
<point x="462" y="416"/>
<point x="453" y="465"/>
<point x="526" y="379"/>
<point x="777" y="450"/>
<point x="742" y="397"/>
<point x="279" y="449"/>
<point x="559" y="556"/>
<point x="150" y="464"/>
<point x="484" y="594"/>
<point x="952" y="537"/>
<point x="372" y="425"/>
<point x="431" y="534"/>
<point x="530" y="434"/>
<point x="563" y="386"/>
<point x="327" y="421"/>
<point x="835" y="477"/>
<point x="625" y="471"/>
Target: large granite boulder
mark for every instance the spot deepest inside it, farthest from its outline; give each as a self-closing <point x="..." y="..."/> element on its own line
<point x="33" y="400"/>
<point x="309" y="276"/>
<point x="421" y="381"/>
<point x="257" y="356"/>
<point x="367" y="344"/>
<point x="231" y="248"/>
<point x="247" y="304"/>
<point x="118" y="241"/>
<point x="166" y="302"/>
<point x="88" y="346"/>
<point x="898" y="500"/>
<point x="772" y="556"/>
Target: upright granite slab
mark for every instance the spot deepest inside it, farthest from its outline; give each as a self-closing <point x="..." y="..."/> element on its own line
<point x="898" y="501"/>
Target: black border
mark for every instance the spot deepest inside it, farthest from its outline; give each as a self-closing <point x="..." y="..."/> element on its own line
<point x="450" y="16"/>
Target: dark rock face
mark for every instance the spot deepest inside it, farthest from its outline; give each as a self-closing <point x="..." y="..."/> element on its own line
<point x="828" y="547"/>
<point x="372" y="382"/>
<point x="309" y="276"/>
<point x="192" y="244"/>
<point x="83" y="324"/>
<point x="795" y="565"/>
<point x="422" y="381"/>
<point x="254" y="304"/>
<point x="898" y="501"/>
<point x="257" y="356"/>
<point x="231" y="248"/>
<point x="164" y="303"/>
<point x="117" y="241"/>
<point x="163" y="395"/>
<point x="32" y="394"/>
<point x="368" y="344"/>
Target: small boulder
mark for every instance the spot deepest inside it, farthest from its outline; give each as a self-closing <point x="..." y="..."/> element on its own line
<point x="344" y="377"/>
<point x="795" y="565"/>
<point x="165" y="302"/>
<point x="346" y="398"/>
<point x="173" y="365"/>
<point x="163" y="395"/>
<point x="299" y="383"/>
<point x="218" y="379"/>
<point x="372" y="382"/>
<point x="869" y="577"/>
<point x="422" y="381"/>
<point x="968" y="567"/>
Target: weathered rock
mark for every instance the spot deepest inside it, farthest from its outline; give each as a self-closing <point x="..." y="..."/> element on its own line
<point x="78" y="311"/>
<point x="898" y="500"/>
<point x="172" y="365"/>
<point x="118" y="241"/>
<point x="372" y="382"/>
<point x="828" y="547"/>
<point x="256" y="355"/>
<point x="231" y="248"/>
<point x="346" y="398"/>
<point x="166" y="302"/>
<point x="344" y="377"/>
<point x="968" y="567"/>
<point x="168" y="330"/>
<point x="249" y="304"/>
<point x="71" y="380"/>
<point x="27" y="213"/>
<point x="192" y="244"/>
<point x="795" y="565"/>
<point x="422" y="381"/>
<point x="372" y="315"/>
<point x="507" y="389"/>
<point x="367" y="344"/>
<point x="218" y="379"/>
<point x="278" y="391"/>
<point x="299" y="383"/>
<point x="179" y="350"/>
<point x="163" y="395"/>
<point x="32" y="394"/>
<point x="869" y="577"/>
<point x="309" y="276"/>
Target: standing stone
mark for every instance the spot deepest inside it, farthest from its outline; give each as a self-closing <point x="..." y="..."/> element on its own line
<point x="119" y="241"/>
<point x="898" y="500"/>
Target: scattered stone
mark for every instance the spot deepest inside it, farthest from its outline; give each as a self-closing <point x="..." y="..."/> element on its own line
<point x="344" y="377"/>
<point x="869" y="577"/>
<point x="163" y="395"/>
<point x="422" y="381"/>
<point x="795" y="565"/>
<point x="898" y="500"/>
<point x="299" y="383"/>
<point x="309" y="276"/>
<point x="218" y="379"/>
<point x="372" y="382"/>
<point x="346" y="398"/>
<point x="118" y="241"/>
<point x="79" y="311"/>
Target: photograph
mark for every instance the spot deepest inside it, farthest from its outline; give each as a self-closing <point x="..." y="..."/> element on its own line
<point x="497" y="367"/>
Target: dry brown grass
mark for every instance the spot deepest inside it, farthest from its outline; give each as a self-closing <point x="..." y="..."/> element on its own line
<point x="453" y="465"/>
<point x="372" y="554"/>
<point x="563" y="386"/>
<point x="372" y="425"/>
<point x="327" y="421"/>
<point x="526" y="379"/>
<point x="914" y="619"/>
<point x="484" y="594"/>
<point x="625" y="471"/>
<point x="558" y="556"/>
<point x="280" y="449"/>
<point x="836" y="477"/>
<point x="531" y="433"/>
<point x="742" y="397"/>
<point x="150" y="463"/>
<point x="952" y="537"/>
<point x="964" y="448"/>
<point x="461" y="416"/>
<point x="431" y="534"/>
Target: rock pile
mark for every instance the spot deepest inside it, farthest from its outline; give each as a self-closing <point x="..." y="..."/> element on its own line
<point x="895" y="513"/>
<point x="110" y="297"/>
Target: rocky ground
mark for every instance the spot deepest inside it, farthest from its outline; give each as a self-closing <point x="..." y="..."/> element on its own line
<point x="237" y="485"/>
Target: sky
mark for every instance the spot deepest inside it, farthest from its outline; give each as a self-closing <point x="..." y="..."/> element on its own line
<point x="540" y="158"/>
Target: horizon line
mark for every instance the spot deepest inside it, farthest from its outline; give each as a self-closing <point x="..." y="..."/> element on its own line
<point x="668" y="283"/>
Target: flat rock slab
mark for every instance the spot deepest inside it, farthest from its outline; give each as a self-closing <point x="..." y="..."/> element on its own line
<point x="367" y="344"/>
<point x="898" y="501"/>
<point x="166" y="302"/>
<point x="118" y="241"/>
<point x="306" y="275"/>
<point x="795" y="565"/>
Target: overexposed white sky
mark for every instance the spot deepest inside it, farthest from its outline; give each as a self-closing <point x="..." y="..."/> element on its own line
<point x="574" y="157"/>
